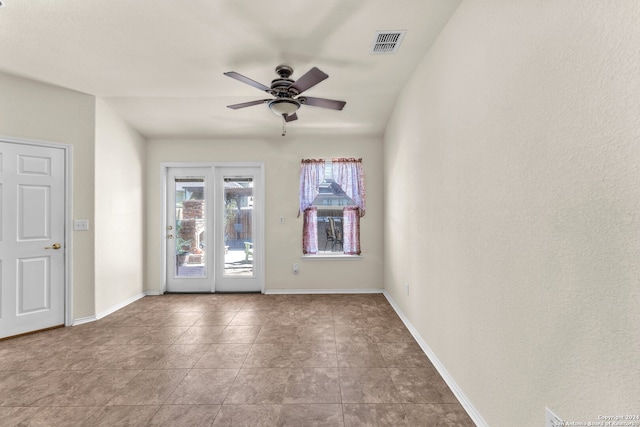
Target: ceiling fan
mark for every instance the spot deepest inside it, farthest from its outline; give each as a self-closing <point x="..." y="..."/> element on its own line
<point x="286" y="91"/>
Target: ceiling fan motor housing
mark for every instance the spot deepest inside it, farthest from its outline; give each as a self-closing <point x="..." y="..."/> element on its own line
<point x="281" y="87"/>
<point x="285" y="90"/>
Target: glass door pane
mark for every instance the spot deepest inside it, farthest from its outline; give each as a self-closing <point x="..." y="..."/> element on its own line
<point x="238" y="227"/>
<point x="190" y="227"/>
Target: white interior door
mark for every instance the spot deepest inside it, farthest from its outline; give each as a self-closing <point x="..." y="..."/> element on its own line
<point x="32" y="246"/>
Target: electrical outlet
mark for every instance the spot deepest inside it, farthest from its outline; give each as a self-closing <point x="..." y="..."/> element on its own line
<point x="551" y="419"/>
<point x="406" y="288"/>
<point x="281" y="219"/>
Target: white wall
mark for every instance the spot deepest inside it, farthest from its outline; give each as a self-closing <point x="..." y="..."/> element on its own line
<point x="283" y="242"/>
<point x="119" y="213"/>
<point x="37" y="111"/>
<point x="512" y="188"/>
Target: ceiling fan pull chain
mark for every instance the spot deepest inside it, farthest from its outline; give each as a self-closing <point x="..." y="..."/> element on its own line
<point x="284" y="125"/>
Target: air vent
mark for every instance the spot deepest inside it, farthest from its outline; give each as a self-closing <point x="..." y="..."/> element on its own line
<point x="387" y="42"/>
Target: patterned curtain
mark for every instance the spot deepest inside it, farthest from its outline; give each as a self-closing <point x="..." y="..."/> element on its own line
<point x="348" y="173"/>
<point x="351" y="230"/>
<point x="310" y="231"/>
<point x="311" y="176"/>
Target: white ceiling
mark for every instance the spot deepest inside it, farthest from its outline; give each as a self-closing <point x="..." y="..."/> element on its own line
<point x="160" y="63"/>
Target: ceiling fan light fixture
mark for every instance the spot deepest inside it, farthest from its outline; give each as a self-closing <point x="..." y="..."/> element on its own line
<point x="284" y="106"/>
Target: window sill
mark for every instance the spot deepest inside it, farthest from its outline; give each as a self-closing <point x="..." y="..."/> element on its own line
<point x="333" y="257"/>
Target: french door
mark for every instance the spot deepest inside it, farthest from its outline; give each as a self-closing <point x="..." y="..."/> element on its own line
<point x="32" y="237"/>
<point x="214" y="228"/>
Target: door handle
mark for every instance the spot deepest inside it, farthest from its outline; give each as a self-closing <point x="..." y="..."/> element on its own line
<point x="54" y="246"/>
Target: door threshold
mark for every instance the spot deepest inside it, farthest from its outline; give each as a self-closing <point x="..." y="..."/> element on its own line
<point x="32" y="332"/>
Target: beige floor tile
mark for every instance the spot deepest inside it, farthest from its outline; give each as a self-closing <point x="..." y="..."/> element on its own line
<point x="321" y="332"/>
<point x="325" y="415"/>
<point x="238" y="334"/>
<point x="250" y="318"/>
<point x="11" y="380"/>
<point x="41" y="390"/>
<point x="200" y="335"/>
<point x="182" y="318"/>
<point x="404" y="355"/>
<point x="278" y="334"/>
<point x="93" y="388"/>
<point x="367" y="385"/>
<point x="13" y="416"/>
<point x="313" y="385"/>
<point x="130" y="356"/>
<point x="379" y="415"/>
<point x="149" y="387"/>
<point x="258" y="386"/>
<point x="438" y="415"/>
<point x="421" y="385"/>
<point x="219" y="356"/>
<point x="180" y="356"/>
<point x="216" y="318"/>
<point x="359" y="355"/>
<point x="346" y="333"/>
<point x="109" y="416"/>
<point x="73" y="416"/>
<point x="248" y="415"/>
<point x="384" y="333"/>
<point x="184" y="416"/>
<point x="314" y="355"/>
<point x="204" y="387"/>
<point x="269" y="355"/>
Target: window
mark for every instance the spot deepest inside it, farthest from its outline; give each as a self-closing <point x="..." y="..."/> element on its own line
<point x="332" y="201"/>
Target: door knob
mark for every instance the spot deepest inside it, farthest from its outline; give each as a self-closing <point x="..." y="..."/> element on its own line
<point x="54" y="246"/>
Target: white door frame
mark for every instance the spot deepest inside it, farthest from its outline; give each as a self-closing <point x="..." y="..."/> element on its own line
<point x="259" y="218"/>
<point x="68" y="209"/>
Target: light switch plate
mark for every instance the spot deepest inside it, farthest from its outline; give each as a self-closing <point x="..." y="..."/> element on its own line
<point x="81" y="225"/>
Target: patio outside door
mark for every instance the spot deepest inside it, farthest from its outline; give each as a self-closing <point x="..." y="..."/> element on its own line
<point x="238" y="205"/>
<point x="213" y="229"/>
<point x="188" y="230"/>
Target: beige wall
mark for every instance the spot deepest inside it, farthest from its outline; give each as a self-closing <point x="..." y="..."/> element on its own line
<point x="514" y="154"/>
<point x="119" y="216"/>
<point x="37" y="111"/>
<point x="281" y="157"/>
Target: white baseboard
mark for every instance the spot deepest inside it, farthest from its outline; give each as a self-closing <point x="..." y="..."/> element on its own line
<point x="322" y="291"/>
<point x="152" y="293"/>
<point x="462" y="398"/>
<point x="81" y="320"/>
<point x="120" y="305"/>
<point x="113" y="309"/>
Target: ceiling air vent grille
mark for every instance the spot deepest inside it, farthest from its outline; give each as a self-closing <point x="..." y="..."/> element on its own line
<point x="387" y="42"/>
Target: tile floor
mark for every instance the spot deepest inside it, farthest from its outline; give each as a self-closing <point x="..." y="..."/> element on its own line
<point x="228" y="360"/>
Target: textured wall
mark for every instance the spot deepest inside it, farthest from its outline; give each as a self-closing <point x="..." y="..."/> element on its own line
<point x="515" y="154"/>
<point x="119" y="219"/>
